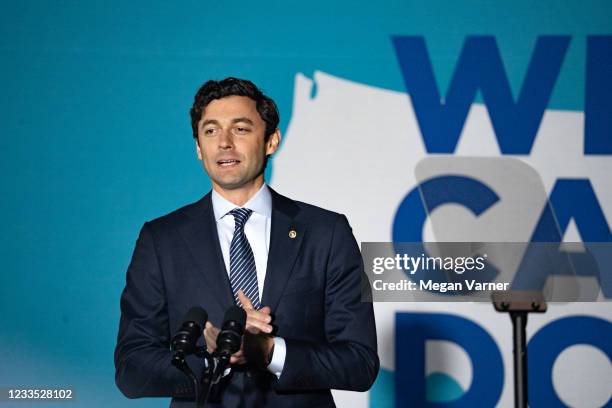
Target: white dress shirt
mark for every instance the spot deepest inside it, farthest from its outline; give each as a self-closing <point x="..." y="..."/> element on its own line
<point x="257" y="230"/>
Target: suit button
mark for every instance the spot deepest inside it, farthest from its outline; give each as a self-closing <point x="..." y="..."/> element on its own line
<point x="250" y="374"/>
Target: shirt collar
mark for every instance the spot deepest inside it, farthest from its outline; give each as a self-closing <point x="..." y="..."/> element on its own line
<point x="260" y="203"/>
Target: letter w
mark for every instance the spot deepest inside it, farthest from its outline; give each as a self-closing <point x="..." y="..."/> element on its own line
<point x="480" y="67"/>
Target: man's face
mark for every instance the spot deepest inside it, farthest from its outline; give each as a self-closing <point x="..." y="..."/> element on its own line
<point x="231" y="143"/>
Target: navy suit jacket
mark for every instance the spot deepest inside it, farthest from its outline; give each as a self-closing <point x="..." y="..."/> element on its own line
<point x="313" y="285"/>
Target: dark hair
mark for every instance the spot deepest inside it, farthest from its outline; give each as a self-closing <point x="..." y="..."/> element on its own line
<point x="230" y="86"/>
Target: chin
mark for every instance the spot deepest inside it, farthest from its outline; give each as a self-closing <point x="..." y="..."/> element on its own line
<point x="231" y="184"/>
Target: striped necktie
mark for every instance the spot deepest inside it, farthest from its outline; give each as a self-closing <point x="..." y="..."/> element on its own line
<point x="243" y="274"/>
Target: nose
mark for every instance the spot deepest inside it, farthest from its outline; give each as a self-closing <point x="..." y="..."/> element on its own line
<point x="226" y="140"/>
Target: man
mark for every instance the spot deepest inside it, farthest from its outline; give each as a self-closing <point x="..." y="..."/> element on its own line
<point x="293" y="267"/>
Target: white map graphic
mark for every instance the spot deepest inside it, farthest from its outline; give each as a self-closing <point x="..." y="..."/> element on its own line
<point x="353" y="148"/>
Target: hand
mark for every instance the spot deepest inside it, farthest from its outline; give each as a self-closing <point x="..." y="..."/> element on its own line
<point x="257" y="342"/>
<point x="258" y="321"/>
<point x="210" y="335"/>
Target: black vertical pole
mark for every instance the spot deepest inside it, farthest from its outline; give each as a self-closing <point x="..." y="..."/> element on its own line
<point x="519" y="323"/>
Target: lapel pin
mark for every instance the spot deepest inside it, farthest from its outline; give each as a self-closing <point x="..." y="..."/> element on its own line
<point x="292" y="234"/>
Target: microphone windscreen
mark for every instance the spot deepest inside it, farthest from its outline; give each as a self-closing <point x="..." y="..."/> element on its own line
<point x="236" y="314"/>
<point x="197" y="315"/>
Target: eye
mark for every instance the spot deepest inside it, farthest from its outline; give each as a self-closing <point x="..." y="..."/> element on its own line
<point x="209" y="131"/>
<point x="242" y="130"/>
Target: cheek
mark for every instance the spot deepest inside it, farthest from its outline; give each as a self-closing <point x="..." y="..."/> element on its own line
<point x="207" y="162"/>
<point x="254" y="152"/>
<point x="205" y="152"/>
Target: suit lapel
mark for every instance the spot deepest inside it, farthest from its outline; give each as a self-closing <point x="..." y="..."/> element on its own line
<point x="285" y="241"/>
<point x="202" y="239"/>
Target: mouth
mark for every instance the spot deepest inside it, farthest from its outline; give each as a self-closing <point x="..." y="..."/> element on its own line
<point x="228" y="162"/>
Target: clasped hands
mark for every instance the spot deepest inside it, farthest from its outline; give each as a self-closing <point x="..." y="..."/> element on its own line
<point x="257" y="343"/>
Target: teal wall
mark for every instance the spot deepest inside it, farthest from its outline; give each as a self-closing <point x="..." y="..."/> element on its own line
<point x="96" y="136"/>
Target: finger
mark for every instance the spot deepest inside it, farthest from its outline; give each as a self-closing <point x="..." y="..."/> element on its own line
<point x="255" y="326"/>
<point x="211" y="345"/>
<point x="256" y="315"/>
<point x="206" y="331"/>
<point x="210" y="335"/>
<point x="237" y="360"/>
<point x="251" y="319"/>
<point x="265" y="310"/>
<point x="245" y="301"/>
<point x="238" y="357"/>
<point x="210" y="329"/>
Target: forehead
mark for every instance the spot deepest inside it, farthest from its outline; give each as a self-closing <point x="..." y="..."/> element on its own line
<point x="231" y="107"/>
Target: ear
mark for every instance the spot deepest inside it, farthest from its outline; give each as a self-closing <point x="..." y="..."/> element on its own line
<point x="273" y="142"/>
<point x="198" y="150"/>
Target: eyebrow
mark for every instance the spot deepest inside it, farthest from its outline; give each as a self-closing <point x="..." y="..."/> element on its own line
<point x="243" y="119"/>
<point x="236" y="120"/>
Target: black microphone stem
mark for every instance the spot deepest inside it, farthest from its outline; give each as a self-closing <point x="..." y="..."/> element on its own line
<point x="207" y="376"/>
<point x="178" y="360"/>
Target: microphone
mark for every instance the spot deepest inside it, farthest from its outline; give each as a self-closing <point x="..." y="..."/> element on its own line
<point x="184" y="341"/>
<point x="229" y="339"/>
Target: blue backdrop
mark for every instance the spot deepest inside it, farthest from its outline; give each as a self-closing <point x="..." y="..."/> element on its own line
<point x="96" y="136"/>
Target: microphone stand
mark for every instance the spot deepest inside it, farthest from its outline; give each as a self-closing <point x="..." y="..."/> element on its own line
<point x="229" y="339"/>
<point x="221" y="363"/>
<point x="519" y="304"/>
<point x="178" y="360"/>
<point x="207" y="376"/>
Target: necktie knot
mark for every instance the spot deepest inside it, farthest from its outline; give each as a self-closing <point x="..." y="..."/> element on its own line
<point x="241" y="215"/>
